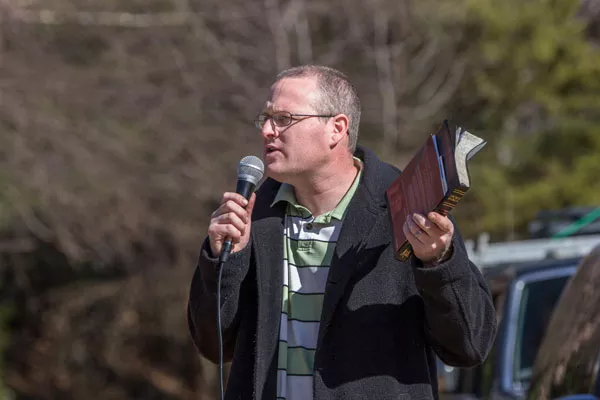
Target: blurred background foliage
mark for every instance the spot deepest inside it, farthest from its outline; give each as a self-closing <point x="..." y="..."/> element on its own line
<point x="122" y="122"/>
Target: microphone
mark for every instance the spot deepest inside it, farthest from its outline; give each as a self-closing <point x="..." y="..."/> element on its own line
<point x="250" y="172"/>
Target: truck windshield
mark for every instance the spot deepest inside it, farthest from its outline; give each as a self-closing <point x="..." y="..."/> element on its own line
<point x="538" y="300"/>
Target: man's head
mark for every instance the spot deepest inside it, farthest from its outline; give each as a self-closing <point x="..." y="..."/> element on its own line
<point x="309" y="123"/>
<point x="337" y="95"/>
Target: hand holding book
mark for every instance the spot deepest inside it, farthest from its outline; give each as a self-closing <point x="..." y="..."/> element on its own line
<point x="434" y="180"/>
<point x="430" y="236"/>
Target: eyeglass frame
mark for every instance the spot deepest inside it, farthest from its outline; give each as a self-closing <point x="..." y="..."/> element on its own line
<point x="260" y="124"/>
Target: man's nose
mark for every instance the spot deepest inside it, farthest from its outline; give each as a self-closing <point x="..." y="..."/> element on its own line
<point x="268" y="129"/>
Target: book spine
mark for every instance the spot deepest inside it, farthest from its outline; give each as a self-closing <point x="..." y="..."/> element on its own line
<point x="450" y="201"/>
<point x="404" y="252"/>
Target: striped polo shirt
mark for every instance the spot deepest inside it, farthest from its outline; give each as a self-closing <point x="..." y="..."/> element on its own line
<point x="309" y="242"/>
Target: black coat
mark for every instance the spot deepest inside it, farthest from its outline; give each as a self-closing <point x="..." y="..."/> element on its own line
<point x="382" y="320"/>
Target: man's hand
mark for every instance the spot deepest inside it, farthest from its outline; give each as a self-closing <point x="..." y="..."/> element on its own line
<point x="231" y="220"/>
<point x="430" y="237"/>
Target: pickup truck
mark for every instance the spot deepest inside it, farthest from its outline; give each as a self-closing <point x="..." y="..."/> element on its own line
<point x="525" y="295"/>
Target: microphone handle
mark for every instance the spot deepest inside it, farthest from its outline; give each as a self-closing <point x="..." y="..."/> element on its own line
<point x="245" y="188"/>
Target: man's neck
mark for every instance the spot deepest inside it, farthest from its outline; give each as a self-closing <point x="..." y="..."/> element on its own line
<point x="322" y="192"/>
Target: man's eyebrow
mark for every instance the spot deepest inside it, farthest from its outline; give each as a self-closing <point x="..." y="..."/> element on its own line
<point x="270" y="107"/>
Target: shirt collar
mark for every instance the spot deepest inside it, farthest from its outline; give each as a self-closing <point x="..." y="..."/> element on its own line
<point x="287" y="194"/>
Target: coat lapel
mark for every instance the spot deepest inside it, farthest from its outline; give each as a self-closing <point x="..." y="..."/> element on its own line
<point x="268" y="249"/>
<point x="360" y="219"/>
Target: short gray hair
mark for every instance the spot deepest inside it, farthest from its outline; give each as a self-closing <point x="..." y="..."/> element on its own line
<point x="338" y="95"/>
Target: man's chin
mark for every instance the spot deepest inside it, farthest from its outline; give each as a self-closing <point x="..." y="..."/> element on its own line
<point x="271" y="171"/>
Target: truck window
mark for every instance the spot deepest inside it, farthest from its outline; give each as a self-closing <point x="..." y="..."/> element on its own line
<point x="537" y="303"/>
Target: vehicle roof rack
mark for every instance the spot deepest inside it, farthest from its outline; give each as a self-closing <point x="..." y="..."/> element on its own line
<point x="570" y="221"/>
<point x="485" y="254"/>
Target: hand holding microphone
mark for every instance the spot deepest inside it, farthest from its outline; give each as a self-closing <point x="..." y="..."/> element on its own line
<point x="229" y="229"/>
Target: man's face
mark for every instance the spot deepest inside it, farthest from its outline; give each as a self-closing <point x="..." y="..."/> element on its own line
<point x="297" y="149"/>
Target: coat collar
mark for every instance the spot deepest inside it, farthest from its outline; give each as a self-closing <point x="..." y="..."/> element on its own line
<point x="377" y="176"/>
<point x="366" y="209"/>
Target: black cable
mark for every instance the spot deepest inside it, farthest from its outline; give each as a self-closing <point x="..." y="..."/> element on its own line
<point x="221" y="391"/>
<point x="224" y="256"/>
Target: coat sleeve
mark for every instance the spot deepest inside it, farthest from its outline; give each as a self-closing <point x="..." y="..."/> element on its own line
<point x="460" y="321"/>
<point x="202" y="303"/>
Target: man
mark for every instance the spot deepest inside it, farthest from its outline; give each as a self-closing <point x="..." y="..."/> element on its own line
<point x="314" y="304"/>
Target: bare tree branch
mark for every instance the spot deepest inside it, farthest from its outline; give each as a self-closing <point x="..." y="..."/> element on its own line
<point x="279" y="34"/>
<point x="305" y="54"/>
<point x="384" y="74"/>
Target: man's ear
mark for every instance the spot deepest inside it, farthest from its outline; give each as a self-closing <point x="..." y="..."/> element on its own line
<point x="339" y="131"/>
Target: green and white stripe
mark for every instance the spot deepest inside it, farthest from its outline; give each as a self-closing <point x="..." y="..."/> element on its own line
<point x="309" y="244"/>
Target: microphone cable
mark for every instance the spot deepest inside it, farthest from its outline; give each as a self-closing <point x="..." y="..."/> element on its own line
<point x="221" y="391"/>
<point x="222" y="259"/>
<point x="250" y="172"/>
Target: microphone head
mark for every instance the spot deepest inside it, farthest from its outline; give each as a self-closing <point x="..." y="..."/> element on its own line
<point x="251" y="169"/>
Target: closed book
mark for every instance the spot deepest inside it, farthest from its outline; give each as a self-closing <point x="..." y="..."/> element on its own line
<point x="435" y="179"/>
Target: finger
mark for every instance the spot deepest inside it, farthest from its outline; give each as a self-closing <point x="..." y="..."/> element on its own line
<point x="410" y="236"/>
<point x="250" y="206"/>
<point x="236" y="197"/>
<point x="232" y="233"/>
<point x="232" y="218"/>
<point x="418" y="232"/>
<point x="424" y="224"/>
<point x="220" y="232"/>
<point x="232" y="206"/>
<point x="441" y="221"/>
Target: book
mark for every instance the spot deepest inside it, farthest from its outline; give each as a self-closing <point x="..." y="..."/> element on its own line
<point x="435" y="179"/>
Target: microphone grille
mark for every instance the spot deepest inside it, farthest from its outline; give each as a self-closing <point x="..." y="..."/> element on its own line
<point x="251" y="168"/>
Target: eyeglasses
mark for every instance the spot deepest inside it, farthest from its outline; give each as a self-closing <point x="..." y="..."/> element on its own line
<point x="281" y="119"/>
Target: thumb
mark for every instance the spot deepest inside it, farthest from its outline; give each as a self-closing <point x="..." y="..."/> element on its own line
<point x="250" y="205"/>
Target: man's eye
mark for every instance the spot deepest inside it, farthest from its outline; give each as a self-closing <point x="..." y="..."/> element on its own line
<point x="281" y="119"/>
